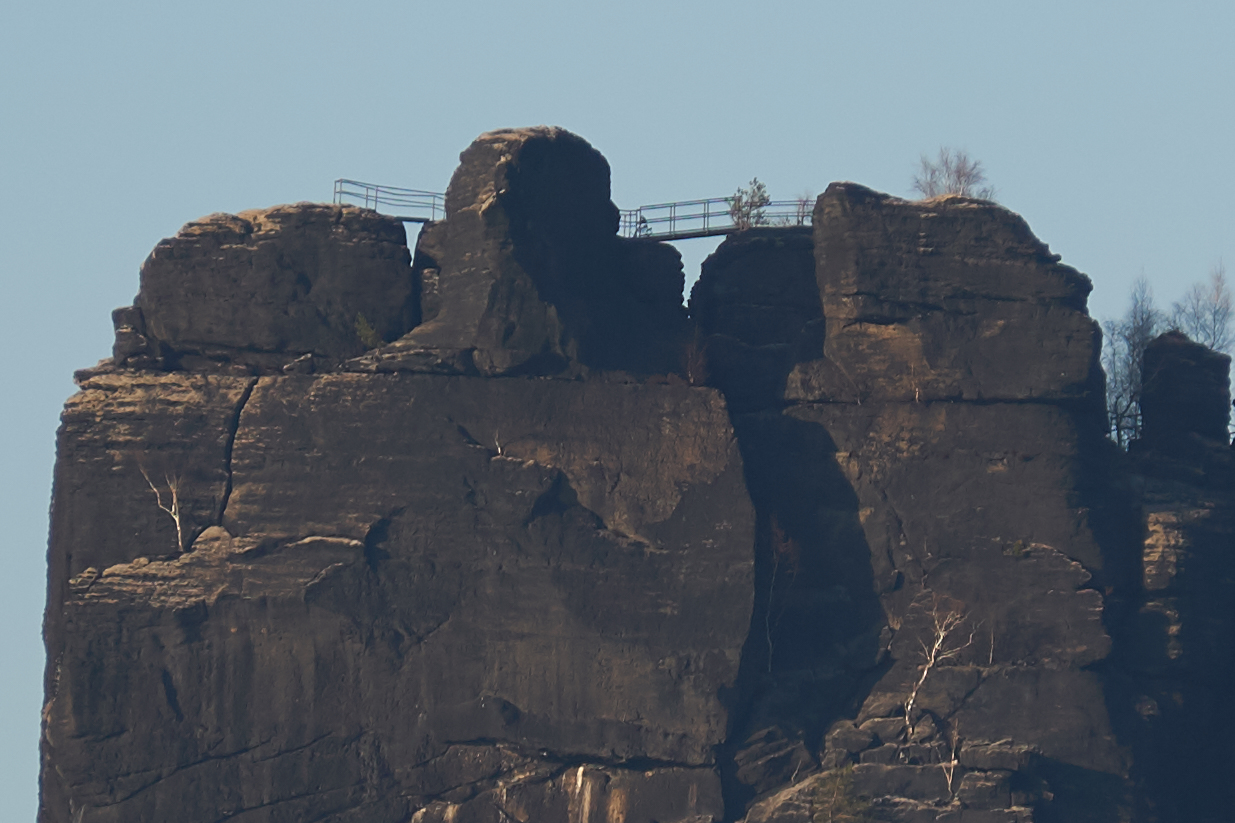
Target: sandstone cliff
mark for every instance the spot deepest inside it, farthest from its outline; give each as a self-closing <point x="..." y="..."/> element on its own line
<point x="344" y="532"/>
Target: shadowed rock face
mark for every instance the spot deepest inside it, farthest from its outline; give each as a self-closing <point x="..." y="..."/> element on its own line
<point x="926" y="457"/>
<point x="527" y="273"/>
<point x="514" y="563"/>
<point x="1186" y="393"/>
<point x="1175" y="657"/>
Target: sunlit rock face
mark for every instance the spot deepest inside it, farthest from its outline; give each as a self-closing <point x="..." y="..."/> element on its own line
<point x="532" y="543"/>
<point x="949" y="299"/>
<point x="265" y="286"/>
<point x="291" y="580"/>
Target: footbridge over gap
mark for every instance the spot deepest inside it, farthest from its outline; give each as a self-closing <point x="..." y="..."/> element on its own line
<point x="679" y="220"/>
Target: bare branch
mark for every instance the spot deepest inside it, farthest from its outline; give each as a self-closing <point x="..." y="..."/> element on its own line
<point x="1123" y="356"/>
<point x="173" y="507"/>
<point x="785" y="552"/>
<point x="1205" y="312"/>
<point x="946" y="619"/>
<point x="949" y="768"/>
<point x="953" y="172"/>
<point x="805" y="208"/>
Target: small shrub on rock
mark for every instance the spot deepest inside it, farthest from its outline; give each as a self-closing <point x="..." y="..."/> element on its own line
<point x="368" y="335"/>
<point x="836" y="801"/>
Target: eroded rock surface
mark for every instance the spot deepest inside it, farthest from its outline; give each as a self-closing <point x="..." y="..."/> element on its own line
<point x="948" y="299"/>
<point x="528" y="276"/>
<point x="1185" y="405"/>
<point x="499" y="554"/>
<point x="266" y="286"/>
<point x="927" y="458"/>
<point x="290" y="583"/>
<point x="1176" y="657"/>
<point x="405" y="565"/>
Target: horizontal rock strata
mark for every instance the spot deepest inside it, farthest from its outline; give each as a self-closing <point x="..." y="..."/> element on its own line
<point x="492" y="530"/>
<point x="421" y="590"/>
<point x="926" y="457"/>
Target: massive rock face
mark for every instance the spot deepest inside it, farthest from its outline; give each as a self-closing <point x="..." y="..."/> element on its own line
<point x="430" y="595"/>
<point x="1177" y="659"/>
<point x="379" y="592"/>
<point x="926" y="457"/>
<point x="952" y="299"/>
<point x="498" y="554"/>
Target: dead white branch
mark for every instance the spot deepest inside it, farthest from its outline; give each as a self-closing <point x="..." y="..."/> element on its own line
<point x="949" y="768"/>
<point x="946" y="619"/>
<point x="173" y="506"/>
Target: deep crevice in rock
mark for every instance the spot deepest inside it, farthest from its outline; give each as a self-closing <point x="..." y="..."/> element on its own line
<point x="232" y="431"/>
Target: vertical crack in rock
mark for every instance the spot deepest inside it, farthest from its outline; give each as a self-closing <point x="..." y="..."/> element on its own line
<point x="169" y="691"/>
<point x="922" y="391"/>
<point x="233" y="429"/>
<point x="594" y="588"/>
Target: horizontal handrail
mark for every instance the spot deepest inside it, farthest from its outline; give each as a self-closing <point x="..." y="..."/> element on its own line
<point x="420" y="205"/>
<point x="658" y="221"/>
<point x="704" y="218"/>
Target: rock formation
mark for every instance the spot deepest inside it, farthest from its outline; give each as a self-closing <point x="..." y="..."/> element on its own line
<point x="1176" y="660"/>
<point x="1185" y="395"/>
<point x="924" y="470"/>
<point x="346" y="533"/>
<point x="378" y="591"/>
<point x="263" y="285"/>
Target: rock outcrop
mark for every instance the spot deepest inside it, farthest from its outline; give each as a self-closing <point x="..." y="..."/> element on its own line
<point x="286" y="584"/>
<point x="530" y="544"/>
<point x="1176" y="659"/>
<point x="264" y="287"/>
<point x="1185" y="394"/>
<point x="926" y="456"/>
<point x="528" y="276"/>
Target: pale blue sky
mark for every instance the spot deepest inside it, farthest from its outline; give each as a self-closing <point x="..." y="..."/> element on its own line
<point x="1107" y="125"/>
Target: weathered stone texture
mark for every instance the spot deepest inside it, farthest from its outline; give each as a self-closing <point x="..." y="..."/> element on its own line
<point x="924" y="446"/>
<point x="528" y="276"/>
<point x="427" y="588"/>
<point x="1175" y="655"/>
<point x="1186" y="393"/>
<point x="938" y="299"/>
<point x="519" y="563"/>
<point x="288" y="280"/>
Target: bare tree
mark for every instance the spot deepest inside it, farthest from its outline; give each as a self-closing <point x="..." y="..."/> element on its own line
<point x="172" y="506"/>
<point x="953" y="172"/>
<point x="945" y="639"/>
<point x="805" y="208"/>
<point x="1205" y="313"/>
<point x="1123" y="355"/>
<point x="746" y="206"/>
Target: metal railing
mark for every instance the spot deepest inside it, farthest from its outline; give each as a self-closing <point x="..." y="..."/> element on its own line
<point x="661" y="221"/>
<point x="409" y="205"/>
<point x="708" y="218"/>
